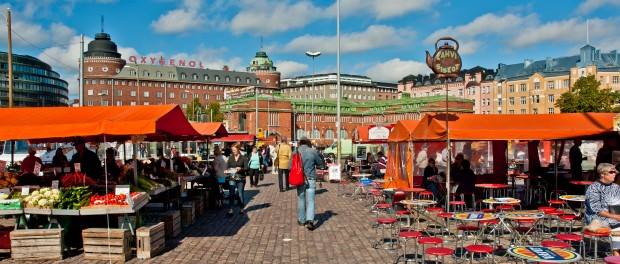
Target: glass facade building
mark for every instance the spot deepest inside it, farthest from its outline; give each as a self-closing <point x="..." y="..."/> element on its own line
<point x="34" y="83"/>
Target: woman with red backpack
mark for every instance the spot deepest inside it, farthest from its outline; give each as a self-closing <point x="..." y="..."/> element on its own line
<point x="303" y="176"/>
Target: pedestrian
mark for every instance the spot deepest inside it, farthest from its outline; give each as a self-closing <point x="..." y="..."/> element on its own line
<point x="283" y="163"/>
<point x="575" y="158"/>
<point x="254" y="164"/>
<point x="305" y="193"/>
<point x="236" y="184"/>
<point x="273" y="156"/>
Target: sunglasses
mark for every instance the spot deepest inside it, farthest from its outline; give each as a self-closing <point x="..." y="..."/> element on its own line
<point x="612" y="172"/>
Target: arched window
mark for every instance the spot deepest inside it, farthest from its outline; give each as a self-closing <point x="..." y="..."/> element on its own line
<point x="238" y="80"/>
<point x="329" y="134"/>
<point x="300" y="133"/>
<point x="217" y="78"/>
<point x="343" y="134"/>
<point x="227" y="79"/>
<point x="195" y="76"/>
<point x="316" y="134"/>
<point x="206" y="77"/>
<point x="183" y="75"/>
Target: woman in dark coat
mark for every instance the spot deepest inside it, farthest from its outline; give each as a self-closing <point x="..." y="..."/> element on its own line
<point x="237" y="183"/>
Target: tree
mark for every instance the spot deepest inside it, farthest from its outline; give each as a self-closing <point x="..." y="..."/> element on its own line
<point x="586" y="96"/>
<point x="214" y="110"/>
<point x="194" y="109"/>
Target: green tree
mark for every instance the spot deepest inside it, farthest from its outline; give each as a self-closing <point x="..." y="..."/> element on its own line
<point x="214" y="110"/>
<point x="587" y="96"/>
<point x="193" y="110"/>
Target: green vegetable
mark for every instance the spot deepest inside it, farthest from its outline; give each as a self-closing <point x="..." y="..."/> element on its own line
<point x="74" y="198"/>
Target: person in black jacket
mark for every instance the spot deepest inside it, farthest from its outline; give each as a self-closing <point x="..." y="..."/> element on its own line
<point x="237" y="183"/>
<point x="429" y="180"/>
<point x="88" y="160"/>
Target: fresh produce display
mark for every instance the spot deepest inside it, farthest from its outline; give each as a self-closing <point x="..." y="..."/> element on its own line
<point x="6" y="203"/>
<point x="74" y="198"/>
<point x="76" y="179"/>
<point x="7" y="179"/>
<point x="111" y="199"/>
<point x="42" y="198"/>
<point x="147" y="184"/>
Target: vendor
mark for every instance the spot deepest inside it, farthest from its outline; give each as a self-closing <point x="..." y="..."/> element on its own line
<point x="88" y="160"/>
<point x="29" y="162"/>
<point x="60" y="160"/>
<point x="114" y="171"/>
<point x="599" y="196"/>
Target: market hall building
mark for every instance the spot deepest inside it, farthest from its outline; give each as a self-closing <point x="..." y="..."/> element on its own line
<point x="35" y="83"/>
<point x="110" y="80"/>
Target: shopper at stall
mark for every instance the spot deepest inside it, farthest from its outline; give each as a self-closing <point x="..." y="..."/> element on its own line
<point x="236" y="184"/>
<point x="60" y="160"/>
<point x="179" y="163"/>
<point x="88" y="160"/>
<point x="599" y="196"/>
<point x="30" y="161"/>
<point x="162" y="164"/>
<point x="283" y="163"/>
<point x="254" y="164"/>
<point x="305" y="193"/>
<point x="113" y="170"/>
<point x="575" y="158"/>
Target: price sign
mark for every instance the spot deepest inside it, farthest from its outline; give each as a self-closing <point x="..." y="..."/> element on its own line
<point x="77" y="167"/>
<point x="25" y="190"/>
<point x="67" y="169"/>
<point x="5" y="191"/>
<point x="122" y="189"/>
<point x="2" y="165"/>
<point x="37" y="169"/>
<point x="334" y="172"/>
<point x="55" y="184"/>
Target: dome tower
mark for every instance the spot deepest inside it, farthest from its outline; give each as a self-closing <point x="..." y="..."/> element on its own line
<point x="263" y="67"/>
<point x="102" y="57"/>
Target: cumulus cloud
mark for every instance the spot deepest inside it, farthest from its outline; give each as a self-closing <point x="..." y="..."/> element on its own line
<point x="570" y="30"/>
<point x="266" y="17"/>
<point x="375" y="36"/>
<point x="395" y="69"/>
<point x="588" y="6"/>
<point x="291" y="68"/>
<point x="185" y="18"/>
<point x="380" y="9"/>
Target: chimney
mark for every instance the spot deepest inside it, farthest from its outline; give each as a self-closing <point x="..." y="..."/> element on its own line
<point x="225" y="68"/>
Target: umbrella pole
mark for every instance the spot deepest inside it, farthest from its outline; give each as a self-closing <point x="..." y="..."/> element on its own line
<point x="555" y="165"/>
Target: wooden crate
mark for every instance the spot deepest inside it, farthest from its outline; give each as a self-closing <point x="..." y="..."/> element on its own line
<point x="36" y="244"/>
<point x="199" y="205"/>
<point x="151" y="240"/>
<point x="97" y="246"/>
<point x="188" y="213"/>
<point x="171" y="219"/>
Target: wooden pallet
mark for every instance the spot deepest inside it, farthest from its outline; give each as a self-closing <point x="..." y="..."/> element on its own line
<point x="99" y="245"/>
<point x="151" y="240"/>
<point x="188" y="213"/>
<point x="36" y="244"/>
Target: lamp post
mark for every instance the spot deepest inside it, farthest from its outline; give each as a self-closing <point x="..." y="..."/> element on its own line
<point x="313" y="55"/>
<point x="339" y="92"/>
<point x="137" y="69"/>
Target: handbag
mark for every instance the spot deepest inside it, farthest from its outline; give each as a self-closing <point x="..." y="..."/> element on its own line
<point x="296" y="175"/>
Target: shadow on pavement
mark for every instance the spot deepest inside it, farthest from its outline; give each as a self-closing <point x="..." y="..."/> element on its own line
<point x="265" y="184"/>
<point x="323" y="217"/>
<point x="257" y="207"/>
<point x="321" y="191"/>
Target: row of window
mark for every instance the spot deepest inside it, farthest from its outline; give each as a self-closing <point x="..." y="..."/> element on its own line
<point x="196" y="77"/>
<point x="550" y="110"/>
<point x="157" y="84"/>
<point x="316" y="134"/>
<point x="147" y="94"/>
<point x="21" y="68"/>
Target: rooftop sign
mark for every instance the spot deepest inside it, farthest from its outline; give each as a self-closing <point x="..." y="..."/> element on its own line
<point x="166" y="61"/>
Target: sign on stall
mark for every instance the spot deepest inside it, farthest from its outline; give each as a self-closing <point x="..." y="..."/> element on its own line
<point x="55" y="184"/>
<point x="124" y="189"/>
<point x="77" y="166"/>
<point x="334" y="172"/>
<point x="378" y="133"/>
<point x="25" y="190"/>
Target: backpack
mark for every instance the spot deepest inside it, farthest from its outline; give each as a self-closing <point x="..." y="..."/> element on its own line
<point x="296" y="174"/>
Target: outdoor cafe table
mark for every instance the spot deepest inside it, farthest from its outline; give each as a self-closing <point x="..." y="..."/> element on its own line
<point x="490" y="188"/>
<point x="412" y="191"/>
<point x="514" y="216"/>
<point x="419" y="206"/>
<point x="501" y="200"/>
<point x="474" y="217"/>
<point x="544" y="254"/>
<point x="360" y="186"/>
<point x="575" y="198"/>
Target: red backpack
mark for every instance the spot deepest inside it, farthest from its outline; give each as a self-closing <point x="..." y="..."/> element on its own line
<point x="296" y="174"/>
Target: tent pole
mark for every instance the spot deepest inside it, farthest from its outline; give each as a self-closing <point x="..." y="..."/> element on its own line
<point x="449" y="148"/>
<point x="555" y="165"/>
<point x="105" y="171"/>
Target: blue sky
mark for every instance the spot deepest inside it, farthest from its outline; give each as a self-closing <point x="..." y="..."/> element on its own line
<point x="384" y="39"/>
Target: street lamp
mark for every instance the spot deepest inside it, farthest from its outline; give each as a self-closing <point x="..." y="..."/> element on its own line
<point x="137" y="69"/>
<point x="313" y="55"/>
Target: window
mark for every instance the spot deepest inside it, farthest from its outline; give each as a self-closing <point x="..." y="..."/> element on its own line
<point x="145" y="94"/>
<point x="343" y="134"/>
<point x="274" y="119"/>
<point x="132" y="93"/>
<point x="551" y="98"/>
<point x="217" y="78"/>
<point x="511" y="101"/>
<point x="160" y="94"/>
<point x="238" y="80"/>
<point x="132" y="103"/>
<point x="119" y="93"/>
<point x="184" y="95"/>
<point x="119" y="103"/>
<point x="523" y="111"/>
<point x="511" y="88"/>
<point x="523" y="100"/>
<point x="227" y="79"/>
<point x="615" y="79"/>
<point x="512" y="112"/>
<point x="170" y="95"/>
<point x="247" y="80"/>
<point x="301" y="133"/>
<point x="124" y="83"/>
<point x="206" y="96"/>
<point x="499" y="102"/>
<point x="146" y="73"/>
<point x="499" y="89"/>
<point x="537" y="86"/>
<point x="183" y="75"/>
<point x="90" y="92"/>
<point x="550" y="85"/>
<point x="523" y="87"/>
<point x="536" y="99"/>
<point x="551" y="110"/>
<point x="102" y="81"/>
<point x="565" y="83"/>
<point x="195" y="76"/>
<point x="146" y="103"/>
<point x="535" y="111"/>
<point x="196" y="95"/>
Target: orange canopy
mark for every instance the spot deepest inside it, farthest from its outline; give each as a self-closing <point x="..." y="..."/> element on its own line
<point x="212" y="129"/>
<point x="115" y="122"/>
<point x="402" y="130"/>
<point x="513" y="127"/>
<point x="364" y="134"/>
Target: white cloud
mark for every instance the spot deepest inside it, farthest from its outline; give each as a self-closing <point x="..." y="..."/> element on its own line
<point x="588" y="6"/>
<point x="61" y="33"/>
<point x="395" y="69"/>
<point x="264" y="17"/>
<point x="291" y="68"/>
<point x="571" y="30"/>
<point x="375" y="36"/>
<point x="381" y="9"/>
<point x="185" y="18"/>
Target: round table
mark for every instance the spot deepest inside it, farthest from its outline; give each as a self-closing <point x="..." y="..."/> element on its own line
<point x="411" y="191"/>
<point x="491" y="187"/>
<point x="573" y="198"/>
<point x="544" y="254"/>
<point x="501" y="200"/>
<point x="474" y="216"/>
<point x="418" y="206"/>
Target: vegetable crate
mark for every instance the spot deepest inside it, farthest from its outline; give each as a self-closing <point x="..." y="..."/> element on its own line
<point x="151" y="240"/>
<point x="188" y="213"/>
<point x="171" y="219"/>
<point x="97" y="245"/>
<point x="199" y="202"/>
<point x="36" y="244"/>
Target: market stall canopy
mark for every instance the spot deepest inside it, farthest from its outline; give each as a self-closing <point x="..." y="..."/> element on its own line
<point x="156" y="122"/>
<point x="235" y="138"/>
<point x="402" y="130"/>
<point x="513" y="127"/>
<point x="372" y="134"/>
<point x="211" y="129"/>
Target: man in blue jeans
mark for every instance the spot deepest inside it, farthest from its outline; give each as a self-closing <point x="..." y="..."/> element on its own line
<point x="305" y="193"/>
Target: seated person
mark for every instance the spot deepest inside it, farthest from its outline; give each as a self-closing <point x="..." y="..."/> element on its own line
<point x="430" y="179"/>
<point x="599" y="196"/>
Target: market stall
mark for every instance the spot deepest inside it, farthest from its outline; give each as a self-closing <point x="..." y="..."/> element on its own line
<point x="399" y="171"/>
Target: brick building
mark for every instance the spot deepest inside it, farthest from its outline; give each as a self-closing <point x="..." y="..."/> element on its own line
<point x="110" y="80"/>
<point x="281" y="115"/>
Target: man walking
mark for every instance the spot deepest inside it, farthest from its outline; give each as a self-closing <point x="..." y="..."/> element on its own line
<point x="283" y="163"/>
<point x="305" y="193"/>
<point x="575" y="157"/>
